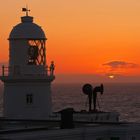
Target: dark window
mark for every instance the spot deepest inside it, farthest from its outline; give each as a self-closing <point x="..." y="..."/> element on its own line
<point x="29" y="98"/>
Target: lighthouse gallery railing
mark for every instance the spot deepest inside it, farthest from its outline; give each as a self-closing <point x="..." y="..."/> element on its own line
<point x="5" y="70"/>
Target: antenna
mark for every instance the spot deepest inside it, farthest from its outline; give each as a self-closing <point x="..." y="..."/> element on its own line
<point x="92" y="93"/>
<point x="95" y="91"/>
<point x="26" y="10"/>
<point x="87" y="89"/>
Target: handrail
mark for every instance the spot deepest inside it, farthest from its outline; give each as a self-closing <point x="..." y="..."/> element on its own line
<point x="5" y="69"/>
<point x="16" y="71"/>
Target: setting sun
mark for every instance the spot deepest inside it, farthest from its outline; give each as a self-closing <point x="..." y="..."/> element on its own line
<point x="111" y="76"/>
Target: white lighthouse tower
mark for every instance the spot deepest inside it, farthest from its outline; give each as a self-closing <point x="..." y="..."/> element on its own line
<point x="27" y="80"/>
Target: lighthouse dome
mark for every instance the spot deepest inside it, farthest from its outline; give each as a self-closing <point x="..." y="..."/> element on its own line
<point x="27" y="30"/>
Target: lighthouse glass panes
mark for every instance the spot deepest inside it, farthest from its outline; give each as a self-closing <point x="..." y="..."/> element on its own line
<point x="36" y="52"/>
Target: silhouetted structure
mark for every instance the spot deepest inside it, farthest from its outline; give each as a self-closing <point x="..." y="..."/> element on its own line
<point x="92" y="92"/>
<point x="67" y="118"/>
<point x="52" y="66"/>
<point x="27" y="80"/>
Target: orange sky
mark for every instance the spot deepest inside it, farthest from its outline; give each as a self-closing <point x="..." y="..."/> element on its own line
<point x="84" y="36"/>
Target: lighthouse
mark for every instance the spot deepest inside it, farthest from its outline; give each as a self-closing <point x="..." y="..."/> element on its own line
<point x="27" y="80"/>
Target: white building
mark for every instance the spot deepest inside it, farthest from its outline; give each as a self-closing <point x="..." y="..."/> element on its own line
<point x="27" y="79"/>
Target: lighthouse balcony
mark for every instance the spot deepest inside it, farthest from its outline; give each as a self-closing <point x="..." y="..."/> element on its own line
<point x="26" y="72"/>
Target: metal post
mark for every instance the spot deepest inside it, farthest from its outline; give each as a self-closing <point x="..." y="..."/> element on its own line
<point x="2" y="70"/>
<point x="52" y="66"/>
<point x="46" y="69"/>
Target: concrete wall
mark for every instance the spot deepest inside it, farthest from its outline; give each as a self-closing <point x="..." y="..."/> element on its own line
<point x="85" y="133"/>
<point x="15" y="102"/>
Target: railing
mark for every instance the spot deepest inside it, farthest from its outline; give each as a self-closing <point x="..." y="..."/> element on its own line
<point x="15" y="70"/>
<point x="5" y="70"/>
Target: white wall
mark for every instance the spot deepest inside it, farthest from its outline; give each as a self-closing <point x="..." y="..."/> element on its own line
<point x="15" y="105"/>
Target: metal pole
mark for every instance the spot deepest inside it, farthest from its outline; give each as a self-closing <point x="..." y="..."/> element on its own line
<point x="3" y="70"/>
<point x="98" y="104"/>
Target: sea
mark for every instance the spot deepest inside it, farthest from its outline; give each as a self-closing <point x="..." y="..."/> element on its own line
<point x="123" y="98"/>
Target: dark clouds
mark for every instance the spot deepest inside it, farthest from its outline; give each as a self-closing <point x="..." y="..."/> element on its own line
<point x="120" y="64"/>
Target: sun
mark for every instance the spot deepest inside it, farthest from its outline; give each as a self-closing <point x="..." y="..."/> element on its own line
<point x="111" y="76"/>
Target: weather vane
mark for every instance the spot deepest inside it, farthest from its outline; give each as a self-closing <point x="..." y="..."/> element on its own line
<point x="26" y="10"/>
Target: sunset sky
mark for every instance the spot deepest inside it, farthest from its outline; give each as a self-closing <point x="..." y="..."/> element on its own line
<point x="90" y="37"/>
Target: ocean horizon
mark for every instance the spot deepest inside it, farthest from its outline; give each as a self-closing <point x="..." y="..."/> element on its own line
<point x="123" y="98"/>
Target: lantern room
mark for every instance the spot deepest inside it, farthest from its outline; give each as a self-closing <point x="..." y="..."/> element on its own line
<point x="27" y="43"/>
